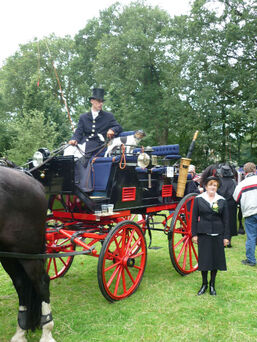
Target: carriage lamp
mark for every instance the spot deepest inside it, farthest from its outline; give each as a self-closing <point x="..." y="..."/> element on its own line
<point x="143" y="160"/>
<point x="37" y="158"/>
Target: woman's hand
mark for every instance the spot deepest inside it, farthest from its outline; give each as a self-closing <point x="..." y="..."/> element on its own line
<point x="226" y="242"/>
<point x="195" y="239"/>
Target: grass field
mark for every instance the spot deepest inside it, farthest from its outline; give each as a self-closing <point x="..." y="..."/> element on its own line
<point x="164" y="308"/>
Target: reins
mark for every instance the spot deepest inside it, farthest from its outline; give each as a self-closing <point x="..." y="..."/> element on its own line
<point x="42" y="255"/>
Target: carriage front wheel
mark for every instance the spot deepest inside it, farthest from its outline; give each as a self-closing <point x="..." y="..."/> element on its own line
<point x="122" y="261"/>
<point x="55" y="243"/>
<point x="183" y="252"/>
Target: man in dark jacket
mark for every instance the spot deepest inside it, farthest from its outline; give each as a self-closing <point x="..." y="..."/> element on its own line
<point x="93" y="128"/>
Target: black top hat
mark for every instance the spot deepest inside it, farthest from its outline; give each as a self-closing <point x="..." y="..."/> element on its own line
<point x="98" y="94"/>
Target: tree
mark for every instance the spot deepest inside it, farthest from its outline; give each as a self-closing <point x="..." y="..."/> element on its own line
<point x="31" y="79"/>
<point x="222" y="72"/>
<point x="29" y="133"/>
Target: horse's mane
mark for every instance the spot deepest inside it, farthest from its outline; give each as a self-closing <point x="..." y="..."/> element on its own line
<point x="7" y="163"/>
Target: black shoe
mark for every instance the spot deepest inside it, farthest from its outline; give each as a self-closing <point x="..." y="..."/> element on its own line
<point x="212" y="290"/>
<point x="247" y="262"/>
<point x="202" y="289"/>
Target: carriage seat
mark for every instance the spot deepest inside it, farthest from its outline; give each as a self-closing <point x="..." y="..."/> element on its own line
<point x="167" y="151"/>
<point x="101" y="169"/>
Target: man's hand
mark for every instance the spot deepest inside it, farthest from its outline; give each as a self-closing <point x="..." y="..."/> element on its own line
<point x="110" y="134"/>
<point x="73" y="142"/>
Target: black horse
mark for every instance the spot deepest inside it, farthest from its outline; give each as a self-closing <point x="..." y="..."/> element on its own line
<point x="23" y="208"/>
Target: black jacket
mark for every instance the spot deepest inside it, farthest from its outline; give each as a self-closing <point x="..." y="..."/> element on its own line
<point x="206" y="221"/>
<point x="88" y="129"/>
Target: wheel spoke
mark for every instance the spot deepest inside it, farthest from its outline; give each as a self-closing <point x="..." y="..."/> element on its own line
<point x="113" y="276"/>
<point x="49" y="264"/>
<point x="118" y="280"/>
<point x="55" y="267"/>
<point x="179" y="242"/>
<point x="127" y="250"/>
<point x="124" y="280"/>
<point x="181" y="220"/>
<point x="133" y="247"/>
<point x="111" y="266"/>
<point x="185" y="254"/>
<point x="130" y="276"/>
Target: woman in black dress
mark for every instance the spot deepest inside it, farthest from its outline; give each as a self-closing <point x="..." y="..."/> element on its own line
<point x="210" y="230"/>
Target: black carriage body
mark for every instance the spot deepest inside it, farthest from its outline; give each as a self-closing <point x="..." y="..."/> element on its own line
<point x="132" y="188"/>
<point x="57" y="175"/>
<point x="116" y="180"/>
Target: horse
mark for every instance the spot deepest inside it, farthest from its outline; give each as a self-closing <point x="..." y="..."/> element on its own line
<point x="23" y="208"/>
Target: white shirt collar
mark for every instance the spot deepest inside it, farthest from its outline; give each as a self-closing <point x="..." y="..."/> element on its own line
<point x="206" y="198"/>
<point x="94" y="114"/>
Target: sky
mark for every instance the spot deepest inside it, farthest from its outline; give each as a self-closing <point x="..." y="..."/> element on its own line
<point x="21" y="21"/>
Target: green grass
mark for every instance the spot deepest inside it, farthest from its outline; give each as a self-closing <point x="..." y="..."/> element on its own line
<point x="164" y="308"/>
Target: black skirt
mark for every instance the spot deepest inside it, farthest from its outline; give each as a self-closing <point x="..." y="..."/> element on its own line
<point x="211" y="253"/>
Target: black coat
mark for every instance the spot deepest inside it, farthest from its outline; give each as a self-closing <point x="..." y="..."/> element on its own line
<point x="88" y="129"/>
<point x="206" y="221"/>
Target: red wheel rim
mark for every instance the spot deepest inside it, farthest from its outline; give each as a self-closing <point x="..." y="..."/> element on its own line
<point x="183" y="250"/>
<point x="124" y="262"/>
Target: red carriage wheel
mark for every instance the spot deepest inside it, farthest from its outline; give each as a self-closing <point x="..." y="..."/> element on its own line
<point x="183" y="252"/>
<point x="57" y="267"/>
<point x="122" y="261"/>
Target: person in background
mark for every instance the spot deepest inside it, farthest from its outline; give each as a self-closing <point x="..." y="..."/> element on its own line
<point x="246" y="194"/>
<point x="93" y="128"/>
<point x="210" y="230"/>
<point x="226" y="189"/>
<point x="193" y="185"/>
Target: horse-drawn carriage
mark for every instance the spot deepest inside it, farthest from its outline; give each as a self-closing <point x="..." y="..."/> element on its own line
<point x="132" y="194"/>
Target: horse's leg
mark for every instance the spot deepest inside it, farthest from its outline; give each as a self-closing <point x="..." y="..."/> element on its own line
<point x="18" y="276"/>
<point x="36" y="272"/>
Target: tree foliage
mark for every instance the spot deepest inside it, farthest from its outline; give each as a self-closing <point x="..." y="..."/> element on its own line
<point x="168" y="76"/>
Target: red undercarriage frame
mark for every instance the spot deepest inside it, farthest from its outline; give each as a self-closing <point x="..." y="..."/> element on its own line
<point x="118" y="240"/>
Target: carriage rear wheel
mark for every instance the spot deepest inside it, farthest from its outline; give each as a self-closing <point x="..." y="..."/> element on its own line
<point x="65" y="202"/>
<point x="183" y="252"/>
<point x="57" y="267"/>
<point x="122" y="261"/>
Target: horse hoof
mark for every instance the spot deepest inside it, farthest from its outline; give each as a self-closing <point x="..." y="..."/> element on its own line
<point x="18" y="339"/>
<point x="51" y="339"/>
